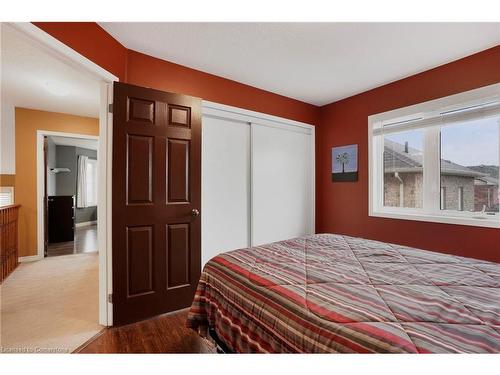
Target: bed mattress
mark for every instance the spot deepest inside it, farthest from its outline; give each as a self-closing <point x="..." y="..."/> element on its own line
<point x="330" y="293"/>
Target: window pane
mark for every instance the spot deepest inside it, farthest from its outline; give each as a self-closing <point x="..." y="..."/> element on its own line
<point x="469" y="166"/>
<point x="403" y="169"/>
<point x="91" y="183"/>
<point x="6" y="196"/>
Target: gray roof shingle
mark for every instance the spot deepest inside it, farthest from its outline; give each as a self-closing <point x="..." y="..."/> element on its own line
<point x="396" y="159"/>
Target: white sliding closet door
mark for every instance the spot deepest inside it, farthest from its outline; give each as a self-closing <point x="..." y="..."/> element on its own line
<point x="225" y="188"/>
<point x="282" y="183"/>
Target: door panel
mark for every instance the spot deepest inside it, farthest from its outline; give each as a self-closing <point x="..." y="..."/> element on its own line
<point x="140" y="260"/>
<point x="180" y="116"/>
<point x="226" y="186"/>
<point x="139" y="169"/>
<point x="156" y="188"/>
<point x="281" y="184"/>
<point x="141" y="110"/>
<point x="178" y="170"/>
<point x="178" y="255"/>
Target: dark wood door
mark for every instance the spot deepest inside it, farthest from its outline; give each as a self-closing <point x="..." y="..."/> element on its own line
<point x="156" y="198"/>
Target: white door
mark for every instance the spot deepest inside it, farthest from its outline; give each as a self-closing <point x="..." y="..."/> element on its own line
<point x="225" y="188"/>
<point x="282" y="183"/>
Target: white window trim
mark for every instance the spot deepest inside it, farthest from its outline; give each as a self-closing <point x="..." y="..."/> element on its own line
<point x="431" y="190"/>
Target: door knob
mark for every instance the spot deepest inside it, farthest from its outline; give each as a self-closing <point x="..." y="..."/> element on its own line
<point x="194" y="212"/>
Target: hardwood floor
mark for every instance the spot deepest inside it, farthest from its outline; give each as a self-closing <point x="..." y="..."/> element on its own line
<point x="85" y="242"/>
<point x="163" y="334"/>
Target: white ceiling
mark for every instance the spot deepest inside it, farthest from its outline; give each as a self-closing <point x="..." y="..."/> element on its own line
<point x="317" y="63"/>
<point x="90" y="144"/>
<point x="33" y="78"/>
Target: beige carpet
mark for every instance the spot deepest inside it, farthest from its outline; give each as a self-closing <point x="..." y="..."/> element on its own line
<point x="50" y="305"/>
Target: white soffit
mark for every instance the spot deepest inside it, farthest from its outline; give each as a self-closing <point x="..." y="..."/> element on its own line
<point x="33" y="78"/>
<point x="317" y="63"/>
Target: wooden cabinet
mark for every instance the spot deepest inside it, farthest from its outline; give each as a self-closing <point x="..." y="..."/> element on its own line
<point x="61" y="218"/>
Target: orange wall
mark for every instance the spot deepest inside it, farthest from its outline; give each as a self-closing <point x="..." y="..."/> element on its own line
<point x="343" y="207"/>
<point x="28" y="121"/>
<point x="7" y="179"/>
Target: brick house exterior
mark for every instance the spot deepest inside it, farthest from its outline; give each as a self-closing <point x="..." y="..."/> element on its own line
<point x="451" y="195"/>
<point x="411" y="189"/>
<point x="462" y="188"/>
<point x="486" y="194"/>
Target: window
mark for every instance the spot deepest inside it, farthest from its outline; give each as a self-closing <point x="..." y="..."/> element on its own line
<point x="403" y="169"/>
<point x="91" y="182"/>
<point x="6" y="195"/>
<point x="469" y="157"/>
<point x="86" y="184"/>
<point x="439" y="160"/>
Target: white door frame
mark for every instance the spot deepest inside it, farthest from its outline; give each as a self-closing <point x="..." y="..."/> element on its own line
<point x="64" y="53"/>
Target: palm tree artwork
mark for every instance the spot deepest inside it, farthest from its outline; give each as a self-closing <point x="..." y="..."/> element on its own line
<point x="345" y="163"/>
<point x="344" y="159"/>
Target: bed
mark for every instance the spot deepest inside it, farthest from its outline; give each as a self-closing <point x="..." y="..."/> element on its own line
<point x="330" y="293"/>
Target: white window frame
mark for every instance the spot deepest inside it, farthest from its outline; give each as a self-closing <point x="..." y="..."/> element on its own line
<point x="427" y="114"/>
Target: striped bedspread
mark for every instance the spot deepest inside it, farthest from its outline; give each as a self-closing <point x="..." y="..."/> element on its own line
<point x="331" y="293"/>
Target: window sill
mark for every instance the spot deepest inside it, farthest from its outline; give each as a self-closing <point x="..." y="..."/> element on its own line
<point x="487" y="222"/>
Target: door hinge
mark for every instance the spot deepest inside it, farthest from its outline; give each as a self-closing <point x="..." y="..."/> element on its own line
<point x="110" y="297"/>
<point x="110" y="107"/>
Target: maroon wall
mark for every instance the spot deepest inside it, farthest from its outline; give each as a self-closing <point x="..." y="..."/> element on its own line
<point x="144" y="70"/>
<point x="343" y="207"/>
<point x="93" y="42"/>
<point x="340" y="207"/>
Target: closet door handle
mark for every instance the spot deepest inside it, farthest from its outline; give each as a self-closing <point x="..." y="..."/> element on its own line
<point x="194" y="212"/>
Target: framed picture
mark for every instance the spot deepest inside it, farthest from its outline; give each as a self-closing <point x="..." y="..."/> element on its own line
<point x="345" y="163"/>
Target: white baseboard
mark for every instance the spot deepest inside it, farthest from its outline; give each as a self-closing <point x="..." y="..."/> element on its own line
<point x="30" y="258"/>
<point x="86" y="224"/>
